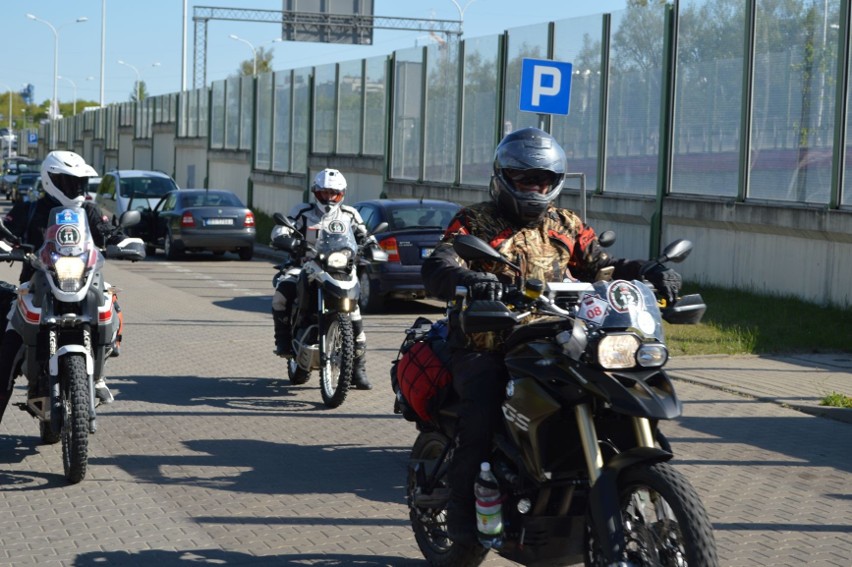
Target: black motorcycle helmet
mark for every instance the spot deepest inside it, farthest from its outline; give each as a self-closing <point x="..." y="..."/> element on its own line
<point x="529" y="172"/>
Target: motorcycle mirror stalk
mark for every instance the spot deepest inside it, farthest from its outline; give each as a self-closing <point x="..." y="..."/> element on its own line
<point x="470" y="247"/>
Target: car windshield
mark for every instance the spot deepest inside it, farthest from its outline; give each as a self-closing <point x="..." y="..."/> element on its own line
<point x="27" y="166"/>
<point x="423" y="215"/>
<point x="149" y="187"/>
<point x="210" y="199"/>
<point x="27" y="179"/>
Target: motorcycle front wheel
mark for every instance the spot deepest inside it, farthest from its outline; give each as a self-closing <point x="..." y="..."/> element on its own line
<point x="429" y="523"/>
<point x="75" y="412"/>
<point x="665" y="523"/>
<point x="336" y="371"/>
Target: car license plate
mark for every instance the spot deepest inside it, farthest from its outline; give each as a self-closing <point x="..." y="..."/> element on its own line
<point x="426" y="252"/>
<point x="210" y="222"/>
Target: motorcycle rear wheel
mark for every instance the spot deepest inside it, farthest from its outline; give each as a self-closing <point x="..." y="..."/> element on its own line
<point x="430" y="524"/>
<point x="336" y="374"/>
<point x="664" y="520"/>
<point x="75" y="425"/>
<point x="48" y="437"/>
<point x="296" y="373"/>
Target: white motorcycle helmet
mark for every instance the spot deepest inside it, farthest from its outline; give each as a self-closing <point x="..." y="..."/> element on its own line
<point x="329" y="188"/>
<point x="65" y="176"/>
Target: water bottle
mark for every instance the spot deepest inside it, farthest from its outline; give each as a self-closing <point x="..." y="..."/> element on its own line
<point x="489" y="513"/>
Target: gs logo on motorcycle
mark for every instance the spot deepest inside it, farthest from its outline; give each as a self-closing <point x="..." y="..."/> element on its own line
<point x="624" y="295"/>
<point x="68" y="235"/>
<point x="336" y="227"/>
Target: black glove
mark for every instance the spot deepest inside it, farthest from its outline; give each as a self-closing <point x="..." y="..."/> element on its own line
<point x="483" y="285"/>
<point x="666" y="281"/>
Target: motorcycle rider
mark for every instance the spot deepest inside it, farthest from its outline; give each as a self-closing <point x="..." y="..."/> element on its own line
<point x="329" y="189"/>
<point x="65" y="176"/>
<point x="549" y="243"/>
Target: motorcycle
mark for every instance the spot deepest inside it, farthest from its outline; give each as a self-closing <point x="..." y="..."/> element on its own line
<point x="328" y="291"/>
<point x="579" y="457"/>
<point x="69" y="324"/>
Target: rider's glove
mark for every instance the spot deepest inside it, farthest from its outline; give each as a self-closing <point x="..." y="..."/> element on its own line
<point x="666" y="281"/>
<point x="483" y="285"/>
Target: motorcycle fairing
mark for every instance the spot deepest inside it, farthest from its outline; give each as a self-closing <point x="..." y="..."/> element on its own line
<point x="69" y="236"/>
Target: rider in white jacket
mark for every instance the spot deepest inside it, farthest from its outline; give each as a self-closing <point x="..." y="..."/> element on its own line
<point x="329" y="188"/>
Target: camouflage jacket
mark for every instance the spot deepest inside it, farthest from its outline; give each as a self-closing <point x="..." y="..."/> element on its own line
<point x="560" y="246"/>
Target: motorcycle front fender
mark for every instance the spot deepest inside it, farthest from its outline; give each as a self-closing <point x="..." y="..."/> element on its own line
<point x="604" y="505"/>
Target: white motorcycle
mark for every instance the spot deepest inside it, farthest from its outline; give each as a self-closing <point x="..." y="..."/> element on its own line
<point x="328" y="291"/>
<point x="68" y="321"/>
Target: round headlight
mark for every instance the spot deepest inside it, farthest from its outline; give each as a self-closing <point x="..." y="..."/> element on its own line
<point x="618" y="351"/>
<point x="337" y="260"/>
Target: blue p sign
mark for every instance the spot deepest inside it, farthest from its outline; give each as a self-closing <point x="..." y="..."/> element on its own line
<point x="545" y="86"/>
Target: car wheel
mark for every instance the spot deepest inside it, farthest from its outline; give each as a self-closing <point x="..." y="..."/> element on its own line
<point x="173" y="249"/>
<point x="150" y="250"/>
<point x="370" y="301"/>
<point x="246" y="253"/>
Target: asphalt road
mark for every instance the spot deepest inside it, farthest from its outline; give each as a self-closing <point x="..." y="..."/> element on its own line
<point x="209" y="456"/>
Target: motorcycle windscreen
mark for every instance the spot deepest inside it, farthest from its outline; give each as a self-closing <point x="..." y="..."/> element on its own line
<point x="68" y="236"/>
<point x="620" y="304"/>
<point x="334" y="235"/>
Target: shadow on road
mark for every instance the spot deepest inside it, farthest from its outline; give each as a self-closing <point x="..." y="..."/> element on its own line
<point x="163" y="558"/>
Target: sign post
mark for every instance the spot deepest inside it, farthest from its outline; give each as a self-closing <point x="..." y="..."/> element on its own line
<point x="546" y="89"/>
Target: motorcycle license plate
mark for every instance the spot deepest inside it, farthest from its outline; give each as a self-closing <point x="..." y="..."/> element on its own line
<point x="425" y="252"/>
<point x="212" y="222"/>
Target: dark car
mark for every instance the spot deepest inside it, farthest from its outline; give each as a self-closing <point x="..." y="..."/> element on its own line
<point x="196" y="220"/>
<point x="12" y="167"/>
<point x="414" y="228"/>
<point x="24" y="188"/>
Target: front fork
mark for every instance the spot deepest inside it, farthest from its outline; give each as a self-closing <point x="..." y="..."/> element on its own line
<point x="604" y="504"/>
<point x="58" y="411"/>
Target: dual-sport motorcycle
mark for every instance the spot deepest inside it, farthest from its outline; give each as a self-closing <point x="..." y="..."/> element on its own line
<point x="328" y="292"/>
<point x="69" y="324"/>
<point x="579" y="457"/>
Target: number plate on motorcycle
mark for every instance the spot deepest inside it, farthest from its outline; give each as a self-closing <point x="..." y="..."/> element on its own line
<point x="425" y="252"/>
<point x="210" y="222"/>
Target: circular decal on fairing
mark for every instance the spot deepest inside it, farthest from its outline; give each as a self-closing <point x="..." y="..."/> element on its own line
<point x="68" y="235"/>
<point x="336" y="227"/>
<point x="622" y="295"/>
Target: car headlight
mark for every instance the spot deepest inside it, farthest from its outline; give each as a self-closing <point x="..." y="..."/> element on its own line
<point x="626" y="351"/>
<point x="69" y="272"/>
<point x="337" y="260"/>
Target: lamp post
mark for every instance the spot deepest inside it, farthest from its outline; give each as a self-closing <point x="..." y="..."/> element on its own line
<point x="9" y="147"/>
<point x="461" y="14"/>
<point x="253" y="53"/>
<point x="138" y="79"/>
<point x="54" y="110"/>
<point x="73" y="84"/>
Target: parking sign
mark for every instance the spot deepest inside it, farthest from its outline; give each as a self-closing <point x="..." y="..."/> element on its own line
<point x="545" y="86"/>
<point x="32" y="138"/>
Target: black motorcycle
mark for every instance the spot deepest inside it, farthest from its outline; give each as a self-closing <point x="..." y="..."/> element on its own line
<point x="580" y="460"/>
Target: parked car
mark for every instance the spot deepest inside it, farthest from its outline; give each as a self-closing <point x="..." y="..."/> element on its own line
<point x="126" y="189"/>
<point x="11" y="168"/>
<point x="24" y="188"/>
<point x="92" y="191"/>
<point x="414" y="228"/>
<point x="196" y="220"/>
<point x="8" y="137"/>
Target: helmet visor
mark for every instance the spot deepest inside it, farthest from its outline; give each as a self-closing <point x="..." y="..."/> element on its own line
<point x="532" y="180"/>
<point x="326" y="196"/>
<point x="70" y="185"/>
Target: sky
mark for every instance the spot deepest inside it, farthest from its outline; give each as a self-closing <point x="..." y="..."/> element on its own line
<point x="148" y="35"/>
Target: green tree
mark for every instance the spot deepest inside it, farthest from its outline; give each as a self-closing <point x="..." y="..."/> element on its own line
<point x="139" y="92"/>
<point x="264" y="63"/>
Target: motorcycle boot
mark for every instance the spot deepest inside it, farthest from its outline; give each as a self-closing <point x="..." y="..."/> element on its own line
<point x="283" y="334"/>
<point x="359" y="365"/>
<point x="102" y="392"/>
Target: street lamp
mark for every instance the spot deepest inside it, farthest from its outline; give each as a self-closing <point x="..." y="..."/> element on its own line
<point x="9" y="150"/>
<point x="54" y="111"/>
<point x="253" y="53"/>
<point x="73" y="84"/>
<point x="461" y="14"/>
<point x="138" y="79"/>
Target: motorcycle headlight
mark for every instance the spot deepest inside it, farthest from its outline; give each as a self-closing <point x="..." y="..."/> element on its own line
<point x="337" y="260"/>
<point x="625" y="350"/>
<point x="652" y="355"/>
<point x="69" y="272"/>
